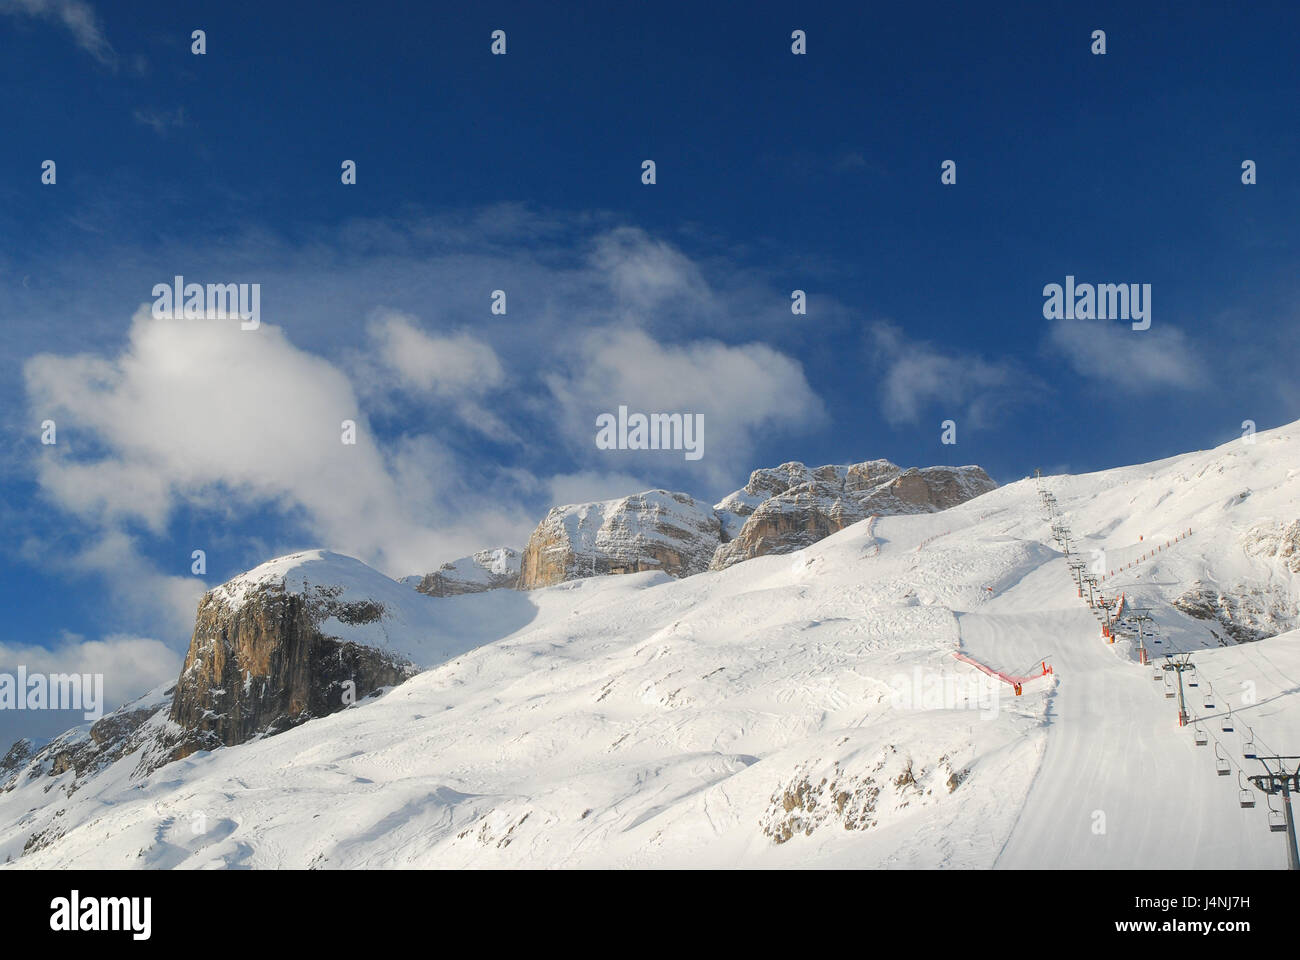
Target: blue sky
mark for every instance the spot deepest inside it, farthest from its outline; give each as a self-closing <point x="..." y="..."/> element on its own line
<point x="522" y="172"/>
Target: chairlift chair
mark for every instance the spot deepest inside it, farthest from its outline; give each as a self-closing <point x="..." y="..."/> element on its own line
<point x="1208" y="700"/>
<point x="1201" y="737"/>
<point x="1221" y="763"/>
<point x="1248" y="748"/>
<point x="1227" y="722"/>
<point x="1276" y="822"/>
<point x="1245" y="796"/>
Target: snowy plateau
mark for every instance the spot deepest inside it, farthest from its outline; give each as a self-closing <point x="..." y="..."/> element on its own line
<point x="750" y="715"/>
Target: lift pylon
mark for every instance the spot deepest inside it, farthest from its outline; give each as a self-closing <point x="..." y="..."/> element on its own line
<point x="1281" y="778"/>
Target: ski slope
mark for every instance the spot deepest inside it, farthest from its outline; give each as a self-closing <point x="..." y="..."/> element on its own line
<point x="800" y="710"/>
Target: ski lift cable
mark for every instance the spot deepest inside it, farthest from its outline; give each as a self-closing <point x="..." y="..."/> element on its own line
<point x="1221" y="751"/>
<point x="1206" y="728"/>
<point x="1255" y="738"/>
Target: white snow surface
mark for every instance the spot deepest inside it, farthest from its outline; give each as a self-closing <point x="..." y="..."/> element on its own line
<point x="641" y="721"/>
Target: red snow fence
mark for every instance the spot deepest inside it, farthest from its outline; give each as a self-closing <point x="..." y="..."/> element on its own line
<point x="922" y="544"/>
<point x="1108" y="626"/>
<point x="1141" y="557"/>
<point x="1016" y="682"/>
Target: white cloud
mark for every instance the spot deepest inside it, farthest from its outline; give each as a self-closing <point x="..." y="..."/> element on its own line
<point x="459" y="371"/>
<point x="77" y="17"/>
<point x="590" y="485"/>
<point x="645" y="273"/>
<point x="204" y="414"/>
<point x="743" y="392"/>
<point x="458" y="364"/>
<point x="191" y="406"/>
<point x="918" y="377"/>
<point x="1133" y="361"/>
<point x="138" y="584"/>
<point x="130" y="666"/>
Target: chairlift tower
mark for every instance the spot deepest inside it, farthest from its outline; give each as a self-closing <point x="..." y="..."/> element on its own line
<point x="1143" y="615"/>
<point x="1061" y="534"/>
<point x="1284" y="780"/>
<point x="1178" y="665"/>
<point x="1077" y="565"/>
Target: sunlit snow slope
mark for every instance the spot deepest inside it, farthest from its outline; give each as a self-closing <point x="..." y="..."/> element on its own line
<point x="799" y="710"/>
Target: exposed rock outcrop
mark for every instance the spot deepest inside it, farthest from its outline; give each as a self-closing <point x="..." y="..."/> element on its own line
<point x="823" y="501"/>
<point x="1269" y="540"/>
<point x="655" y="530"/>
<point x="486" y="570"/>
<point x="299" y="637"/>
<point x="1246" y="612"/>
<point x="85" y="750"/>
<point x="780" y="509"/>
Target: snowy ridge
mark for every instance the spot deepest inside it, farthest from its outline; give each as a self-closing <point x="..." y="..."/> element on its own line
<point x="483" y="570"/>
<point x="793" y="710"/>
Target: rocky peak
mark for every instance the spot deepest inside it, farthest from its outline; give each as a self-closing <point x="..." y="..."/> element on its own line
<point x="298" y="637"/>
<point x="780" y="509"/>
<point x="830" y="498"/>
<point x="485" y="570"/>
<point x="654" y="530"/>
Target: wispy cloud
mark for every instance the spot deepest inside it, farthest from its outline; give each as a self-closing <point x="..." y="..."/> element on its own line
<point x="743" y="391"/>
<point x="460" y="372"/>
<point x="917" y="377"/>
<point x="161" y="120"/>
<point x="76" y="16"/>
<point x="1133" y="361"/>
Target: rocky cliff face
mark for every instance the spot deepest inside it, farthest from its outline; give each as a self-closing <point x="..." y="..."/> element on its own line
<point x="1246" y="612"/>
<point x="655" y="530"/>
<point x="780" y="509"/>
<point x="300" y="637"/>
<point x="822" y="501"/>
<point x="486" y="570"/>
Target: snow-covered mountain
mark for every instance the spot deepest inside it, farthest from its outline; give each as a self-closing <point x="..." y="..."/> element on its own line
<point x="792" y="507"/>
<point x="496" y="569"/>
<point x="799" y="709"/>
<point x="779" y="510"/>
<point x="655" y="530"/>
